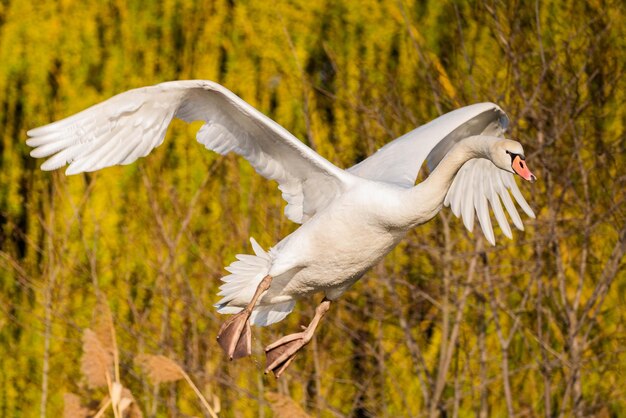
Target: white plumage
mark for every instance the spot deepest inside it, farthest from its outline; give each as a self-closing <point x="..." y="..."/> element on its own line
<point x="350" y="218"/>
<point x="245" y="275"/>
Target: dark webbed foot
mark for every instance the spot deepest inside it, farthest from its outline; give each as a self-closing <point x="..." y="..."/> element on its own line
<point x="235" y="336"/>
<point x="280" y="354"/>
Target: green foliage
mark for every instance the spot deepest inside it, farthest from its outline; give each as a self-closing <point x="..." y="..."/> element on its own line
<point x="532" y="326"/>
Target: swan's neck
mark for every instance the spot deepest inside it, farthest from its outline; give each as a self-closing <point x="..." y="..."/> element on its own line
<point x="425" y="200"/>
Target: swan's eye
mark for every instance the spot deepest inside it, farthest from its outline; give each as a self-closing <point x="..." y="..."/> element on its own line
<point x="513" y="155"/>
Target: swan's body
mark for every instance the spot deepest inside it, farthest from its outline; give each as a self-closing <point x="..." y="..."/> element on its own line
<point x="350" y="218"/>
<point x="336" y="247"/>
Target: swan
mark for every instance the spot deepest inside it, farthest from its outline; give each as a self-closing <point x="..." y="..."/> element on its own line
<point x="350" y="219"/>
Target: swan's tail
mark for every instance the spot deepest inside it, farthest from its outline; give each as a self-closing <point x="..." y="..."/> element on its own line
<point x="239" y="287"/>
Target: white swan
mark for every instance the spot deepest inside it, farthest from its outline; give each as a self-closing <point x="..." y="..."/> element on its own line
<point x="350" y="218"/>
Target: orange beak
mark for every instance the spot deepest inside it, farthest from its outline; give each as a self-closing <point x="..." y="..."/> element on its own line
<point x="520" y="167"/>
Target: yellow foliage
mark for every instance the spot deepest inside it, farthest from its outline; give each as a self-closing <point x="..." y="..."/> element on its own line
<point x="346" y="78"/>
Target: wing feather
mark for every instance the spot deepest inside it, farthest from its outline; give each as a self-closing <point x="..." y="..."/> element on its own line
<point x="399" y="161"/>
<point x="494" y="201"/>
<point x="128" y="126"/>
<point x="482" y="210"/>
<point x="467" y="210"/>
<point x="477" y="186"/>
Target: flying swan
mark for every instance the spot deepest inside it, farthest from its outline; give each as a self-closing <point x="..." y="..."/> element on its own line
<point x="350" y="219"/>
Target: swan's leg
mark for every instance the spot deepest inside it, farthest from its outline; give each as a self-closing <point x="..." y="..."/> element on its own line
<point x="235" y="335"/>
<point x="281" y="353"/>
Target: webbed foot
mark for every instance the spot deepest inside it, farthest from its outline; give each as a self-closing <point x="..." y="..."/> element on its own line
<point x="235" y="336"/>
<point x="280" y="354"/>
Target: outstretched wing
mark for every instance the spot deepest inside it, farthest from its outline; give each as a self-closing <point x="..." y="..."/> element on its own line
<point x="131" y="124"/>
<point x="478" y="185"/>
<point x="399" y="161"/>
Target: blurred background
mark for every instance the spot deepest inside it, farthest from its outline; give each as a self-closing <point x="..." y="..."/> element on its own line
<point x="446" y="325"/>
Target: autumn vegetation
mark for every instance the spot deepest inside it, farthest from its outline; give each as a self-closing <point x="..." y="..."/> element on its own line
<point x="107" y="280"/>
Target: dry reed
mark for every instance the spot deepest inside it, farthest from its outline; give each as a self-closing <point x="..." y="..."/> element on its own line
<point x="133" y="410"/>
<point x="159" y="369"/>
<point x="104" y="405"/>
<point x="96" y="362"/>
<point x="102" y="325"/>
<point x="72" y="407"/>
<point x="284" y="407"/>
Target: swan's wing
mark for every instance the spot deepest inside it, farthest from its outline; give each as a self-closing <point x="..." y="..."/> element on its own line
<point x="131" y="124"/>
<point x="399" y="161"/>
<point x="478" y="185"/>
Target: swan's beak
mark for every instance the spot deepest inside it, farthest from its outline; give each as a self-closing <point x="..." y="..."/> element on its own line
<point x="520" y="167"/>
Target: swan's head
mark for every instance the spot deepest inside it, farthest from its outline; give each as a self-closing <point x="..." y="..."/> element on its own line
<point x="509" y="156"/>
